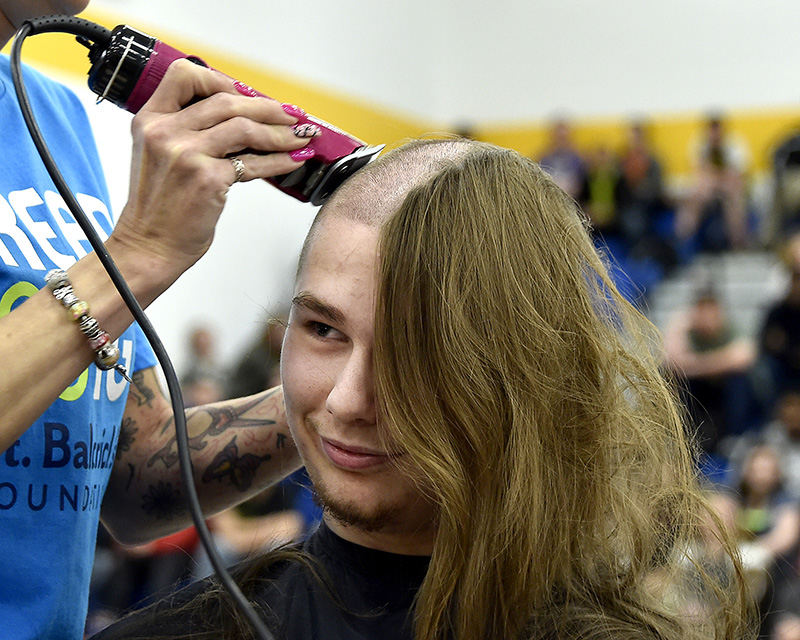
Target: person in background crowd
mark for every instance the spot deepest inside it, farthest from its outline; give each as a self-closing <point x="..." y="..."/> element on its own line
<point x="716" y="206"/>
<point x="780" y="338"/>
<point x="701" y="346"/>
<point x="203" y="378"/>
<point x="601" y="199"/>
<point x="768" y="521"/>
<point x="563" y="162"/>
<point x="258" y="368"/>
<point x="202" y="363"/>
<point x="784" y="216"/>
<point x="641" y="200"/>
<point x="783" y="435"/>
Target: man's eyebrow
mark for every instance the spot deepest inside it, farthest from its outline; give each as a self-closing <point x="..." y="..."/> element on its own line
<point x="311" y="302"/>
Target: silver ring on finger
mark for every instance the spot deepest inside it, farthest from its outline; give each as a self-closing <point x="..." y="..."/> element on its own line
<point x="238" y="167"/>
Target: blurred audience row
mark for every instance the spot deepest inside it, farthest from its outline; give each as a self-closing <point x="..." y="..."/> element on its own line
<point x="649" y="226"/>
<point x="742" y="398"/>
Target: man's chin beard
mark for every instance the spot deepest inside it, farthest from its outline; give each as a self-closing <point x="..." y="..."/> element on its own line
<point x="350" y="514"/>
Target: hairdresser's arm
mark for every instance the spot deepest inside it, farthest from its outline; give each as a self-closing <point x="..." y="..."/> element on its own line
<point x="238" y="447"/>
<point x="179" y="181"/>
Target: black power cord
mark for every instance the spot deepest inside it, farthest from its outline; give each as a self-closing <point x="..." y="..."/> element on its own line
<point x="86" y="30"/>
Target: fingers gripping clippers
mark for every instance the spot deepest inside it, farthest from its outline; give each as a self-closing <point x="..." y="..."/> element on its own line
<point x="128" y="65"/>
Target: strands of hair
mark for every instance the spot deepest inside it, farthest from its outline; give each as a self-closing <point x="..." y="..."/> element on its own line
<point x="528" y="395"/>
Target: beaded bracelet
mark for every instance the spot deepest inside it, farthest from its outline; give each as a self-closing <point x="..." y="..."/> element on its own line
<point x="106" y="353"/>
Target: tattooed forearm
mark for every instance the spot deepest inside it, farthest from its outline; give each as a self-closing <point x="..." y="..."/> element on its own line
<point x="127" y="435"/>
<point x="162" y="501"/>
<point x="241" y="470"/>
<point x="140" y="391"/>
<point x="131" y="471"/>
<point x="218" y="419"/>
<point x="237" y="447"/>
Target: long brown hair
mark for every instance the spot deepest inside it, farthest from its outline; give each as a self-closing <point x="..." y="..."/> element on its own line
<point x="528" y="395"/>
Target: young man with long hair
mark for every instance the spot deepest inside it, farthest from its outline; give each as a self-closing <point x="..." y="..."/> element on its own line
<point x="484" y="420"/>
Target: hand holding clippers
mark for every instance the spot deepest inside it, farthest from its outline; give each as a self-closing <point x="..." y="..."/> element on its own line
<point x="128" y="65"/>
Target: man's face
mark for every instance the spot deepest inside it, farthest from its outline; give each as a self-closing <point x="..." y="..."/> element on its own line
<point x="789" y="414"/>
<point x="707" y="318"/>
<point x="327" y="375"/>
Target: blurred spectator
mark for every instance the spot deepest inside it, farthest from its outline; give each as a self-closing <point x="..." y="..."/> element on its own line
<point x="716" y="206"/>
<point x="202" y="391"/>
<point x="786" y="188"/>
<point x="202" y="364"/>
<point x="768" y="521"/>
<point x="783" y="435"/>
<point x="601" y="181"/>
<point x="259" y="367"/>
<point x="641" y="201"/>
<point x="788" y="251"/>
<point x="788" y="626"/>
<point x="465" y="129"/>
<point x="701" y="345"/>
<point x="780" y="339"/>
<point x="767" y="515"/>
<point x="564" y="163"/>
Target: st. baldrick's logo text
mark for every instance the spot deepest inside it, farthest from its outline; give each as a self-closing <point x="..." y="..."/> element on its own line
<point x="58" y="452"/>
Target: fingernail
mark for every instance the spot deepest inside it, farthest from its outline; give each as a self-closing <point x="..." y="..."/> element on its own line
<point x="306" y="130"/>
<point x="245" y="90"/>
<point x="301" y="155"/>
<point x="293" y="110"/>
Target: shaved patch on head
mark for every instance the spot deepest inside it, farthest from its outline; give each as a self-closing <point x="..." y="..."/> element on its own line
<point x="380" y="188"/>
<point x="375" y="192"/>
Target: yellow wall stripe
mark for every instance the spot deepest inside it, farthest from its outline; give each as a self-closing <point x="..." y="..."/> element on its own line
<point x="369" y="122"/>
<point x="672" y="135"/>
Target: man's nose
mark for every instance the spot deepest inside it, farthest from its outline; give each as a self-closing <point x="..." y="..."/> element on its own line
<point x="352" y="399"/>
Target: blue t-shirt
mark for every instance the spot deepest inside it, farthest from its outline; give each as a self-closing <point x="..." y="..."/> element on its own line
<point x="53" y="478"/>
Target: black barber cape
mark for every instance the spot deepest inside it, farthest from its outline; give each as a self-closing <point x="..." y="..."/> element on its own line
<point x="375" y="587"/>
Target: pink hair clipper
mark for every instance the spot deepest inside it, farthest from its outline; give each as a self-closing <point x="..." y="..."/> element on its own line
<point x="128" y="68"/>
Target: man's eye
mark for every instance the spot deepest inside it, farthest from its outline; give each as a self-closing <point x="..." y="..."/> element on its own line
<point x="320" y="329"/>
